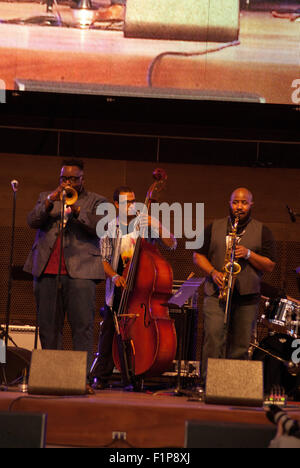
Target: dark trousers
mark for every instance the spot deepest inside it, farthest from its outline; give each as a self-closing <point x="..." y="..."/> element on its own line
<point x="105" y="363"/>
<point x="242" y="324"/>
<point x="76" y="299"/>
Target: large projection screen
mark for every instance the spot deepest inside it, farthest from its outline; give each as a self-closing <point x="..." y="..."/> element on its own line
<point x="223" y="50"/>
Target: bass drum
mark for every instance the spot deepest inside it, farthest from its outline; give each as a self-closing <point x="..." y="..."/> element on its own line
<point x="275" y="371"/>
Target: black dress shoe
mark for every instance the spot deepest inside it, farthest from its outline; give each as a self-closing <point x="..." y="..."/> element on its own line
<point x="101" y="385"/>
<point x="89" y="390"/>
<point x="128" y="388"/>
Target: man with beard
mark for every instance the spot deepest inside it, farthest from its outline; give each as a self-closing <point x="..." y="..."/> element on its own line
<point x="117" y="248"/>
<point x="65" y="263"/>
<point x="255" y="252"/>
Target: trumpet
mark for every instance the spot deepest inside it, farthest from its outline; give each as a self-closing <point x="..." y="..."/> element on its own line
<point x="71" y="195"/>
<point x="230" y="267"/>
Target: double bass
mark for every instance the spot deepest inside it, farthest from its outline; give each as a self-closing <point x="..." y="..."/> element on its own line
<point x="145" y="339"/>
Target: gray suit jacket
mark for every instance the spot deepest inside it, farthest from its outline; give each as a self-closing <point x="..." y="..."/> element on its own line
<point x="81" y="249"/>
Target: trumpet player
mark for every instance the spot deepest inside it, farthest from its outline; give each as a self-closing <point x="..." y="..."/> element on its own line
<point x="65" y="261"/>
<point x="254" y="255"/>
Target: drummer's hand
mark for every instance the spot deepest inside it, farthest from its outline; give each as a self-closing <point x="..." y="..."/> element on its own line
<point x="240" y="251"/>
<point x="119" y="281"/>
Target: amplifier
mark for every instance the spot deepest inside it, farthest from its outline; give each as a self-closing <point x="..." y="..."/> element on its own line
<point x="23" y="336"/>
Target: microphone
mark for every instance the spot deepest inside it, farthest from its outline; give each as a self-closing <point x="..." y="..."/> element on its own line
<point x="15" y="185"/>
<point x="292" y="214"/>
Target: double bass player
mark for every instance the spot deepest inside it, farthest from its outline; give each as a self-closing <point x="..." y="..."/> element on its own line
<point x="117" y="247"/>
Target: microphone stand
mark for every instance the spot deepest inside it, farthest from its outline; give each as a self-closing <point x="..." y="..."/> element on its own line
<point x="5" y="334"/>
<point x="58" y="287"/>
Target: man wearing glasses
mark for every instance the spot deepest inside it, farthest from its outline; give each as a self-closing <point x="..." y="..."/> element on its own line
<point x="117" y="248"/>
<point x="65" y="262"/>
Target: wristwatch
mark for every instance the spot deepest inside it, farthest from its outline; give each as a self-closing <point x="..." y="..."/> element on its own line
<point x="248" y="254"/>
<point x="114" y="277"/>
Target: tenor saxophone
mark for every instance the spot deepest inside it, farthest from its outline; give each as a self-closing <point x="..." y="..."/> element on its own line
<point x="230" y="265"/>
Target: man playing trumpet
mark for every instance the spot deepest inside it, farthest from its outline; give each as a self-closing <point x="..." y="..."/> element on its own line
<point x="255" y="253"/>
<point x="65" y="260"/>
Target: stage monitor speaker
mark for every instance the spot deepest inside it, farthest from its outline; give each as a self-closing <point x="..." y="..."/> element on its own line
<point x="234" y="382"/>
<point x="22" y="430"/>
<point x="183" y="20"/>
<point x="57" y="372"/>
<point x="209" y="434"/>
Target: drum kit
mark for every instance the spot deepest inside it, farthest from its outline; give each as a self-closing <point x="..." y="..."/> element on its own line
<point x="278" y="350"/>
<point x="284" y="315"/>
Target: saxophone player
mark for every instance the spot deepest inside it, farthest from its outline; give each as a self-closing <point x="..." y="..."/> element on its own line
<point x="255" y="253"/>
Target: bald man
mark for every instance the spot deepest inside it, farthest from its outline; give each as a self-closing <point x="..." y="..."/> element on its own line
<point x="255" y="252"/>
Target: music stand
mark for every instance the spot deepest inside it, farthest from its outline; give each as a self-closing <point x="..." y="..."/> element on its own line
<point x="178" y="302"/>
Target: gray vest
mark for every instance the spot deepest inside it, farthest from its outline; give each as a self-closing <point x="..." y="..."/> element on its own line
<point x="248" y="280"/>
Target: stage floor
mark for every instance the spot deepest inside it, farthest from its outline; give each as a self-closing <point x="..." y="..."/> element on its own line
<point x="263" y="67"/>
<point x="149" y="419"/>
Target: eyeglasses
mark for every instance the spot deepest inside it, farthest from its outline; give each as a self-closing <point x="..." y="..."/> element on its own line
<point x="129" y="202"/>
<point x="72" y="179"/>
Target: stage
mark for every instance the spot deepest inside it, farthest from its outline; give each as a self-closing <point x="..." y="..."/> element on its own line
<point x="144" y="419"/>
<point x="261" y="67"/>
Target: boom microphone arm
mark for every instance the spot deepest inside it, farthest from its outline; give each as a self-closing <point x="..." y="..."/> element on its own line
<point x="292" y="214"/>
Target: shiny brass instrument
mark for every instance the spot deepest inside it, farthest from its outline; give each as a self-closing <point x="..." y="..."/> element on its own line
<point x="71" y="195"/>
<point x="231" y="268"/>
<point x="68" y="197"/>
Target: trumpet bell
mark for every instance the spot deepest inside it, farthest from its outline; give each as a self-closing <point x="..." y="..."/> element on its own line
<point x="71" y="195"/>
